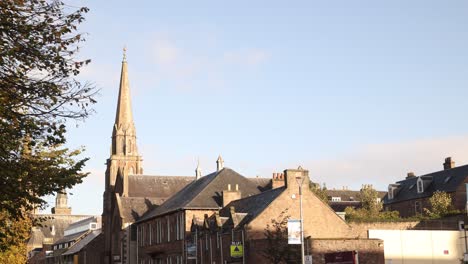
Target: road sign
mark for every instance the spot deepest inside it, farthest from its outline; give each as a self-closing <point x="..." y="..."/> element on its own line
<point x="237" y="250"/>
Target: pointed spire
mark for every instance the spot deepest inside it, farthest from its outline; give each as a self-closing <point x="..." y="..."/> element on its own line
<point x="198" y="172"/>
<point x="124" y="105"/>
<point x="220" y="163"/>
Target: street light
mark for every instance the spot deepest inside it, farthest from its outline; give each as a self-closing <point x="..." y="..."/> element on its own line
<point x="300" y="180"/>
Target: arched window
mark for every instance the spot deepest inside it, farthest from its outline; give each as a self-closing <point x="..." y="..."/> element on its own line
<point x="420" y="186"/>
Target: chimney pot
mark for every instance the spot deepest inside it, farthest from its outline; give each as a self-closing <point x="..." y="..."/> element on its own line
<point x="410" y="175"/>
<point x="449" y="163"/>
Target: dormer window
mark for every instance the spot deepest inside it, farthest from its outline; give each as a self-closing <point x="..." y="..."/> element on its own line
<point x="390" y="192"/>
<point x="420" y="185"/>
<point x="336" y="199"/>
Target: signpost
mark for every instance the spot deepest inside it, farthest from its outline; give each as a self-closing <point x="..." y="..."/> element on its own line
<point x="294" y="232"/>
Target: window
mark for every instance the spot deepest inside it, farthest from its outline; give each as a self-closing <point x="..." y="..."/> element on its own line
<point x="168" y="229"/>
<point x="420" y="185"/>
<point x="336" y="199"/>
<point x="390" y="192"/>
<point x="417" y="207"/>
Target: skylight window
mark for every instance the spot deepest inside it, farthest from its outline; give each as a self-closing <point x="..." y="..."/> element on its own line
<point x="447" y="179"/>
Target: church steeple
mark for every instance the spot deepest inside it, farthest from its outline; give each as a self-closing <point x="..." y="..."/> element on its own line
<point x="124" y="115"/>
<point x="124" y="151"/>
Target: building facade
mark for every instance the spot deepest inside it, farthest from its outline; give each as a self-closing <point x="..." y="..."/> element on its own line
<point x="411" y="195"/>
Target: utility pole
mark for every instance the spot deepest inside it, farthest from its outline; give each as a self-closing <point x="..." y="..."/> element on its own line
<point x="299" y="181"/>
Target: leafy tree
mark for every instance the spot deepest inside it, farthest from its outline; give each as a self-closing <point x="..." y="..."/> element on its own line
<point x="21" y="228"/>
<point x="441" y="205"/>
<point x="371" y="209"/>
<point x="278" y="250"/>
<point x="369" y="198"/>
<point x="39" y="93"/>
<point x="320" y="192"/>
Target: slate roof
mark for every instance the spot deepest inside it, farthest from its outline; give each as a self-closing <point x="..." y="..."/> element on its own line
<point x="71" y="237"/>
<point x="86" y="221"/>
<point x="341" y="206"/>
<point x="445" y="180"/>
<point x="161" y="187"/>
<point x="59" y="222"/>
<point x="205" y="193"/>
<point x="253" y="205"/>
<point x="78" y="246"/>
<point x="134" y="207"/>
<point x="263" y="184"/>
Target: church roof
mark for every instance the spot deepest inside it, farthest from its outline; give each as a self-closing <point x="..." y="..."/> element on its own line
<point x="132" y="208"/>
<point x="205" y="193"/>
<point x="161" y="187"/>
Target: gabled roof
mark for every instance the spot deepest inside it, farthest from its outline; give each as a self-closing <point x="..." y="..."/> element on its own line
<point x="71" y="237"/>
<point x="132" y="208"/>
<point x="82" y="243"/>
<point x="205" y="193"/>
<point x="253" y="205"/>
<point x="445" y="180"/>
<point x="161" y="187"/>
<point x="263" y="184"/>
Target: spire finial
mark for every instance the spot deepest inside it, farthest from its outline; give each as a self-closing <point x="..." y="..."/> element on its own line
<point x="124" y="53"/>
<point x="198" y="170"/>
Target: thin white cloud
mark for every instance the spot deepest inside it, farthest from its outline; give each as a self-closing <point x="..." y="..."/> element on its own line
<point x="188" y="67"/>
<point x="252" y="57"/>
<point x="381" y="164"/>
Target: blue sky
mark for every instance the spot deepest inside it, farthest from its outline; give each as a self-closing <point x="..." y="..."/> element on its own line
<point x="358" y="92"/>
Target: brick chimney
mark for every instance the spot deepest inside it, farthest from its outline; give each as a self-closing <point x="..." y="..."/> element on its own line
<point x="231" y="195"/>
<point x="292" y="176"/>
<point x="277" y="180"/>
<point x="449" y="163"/>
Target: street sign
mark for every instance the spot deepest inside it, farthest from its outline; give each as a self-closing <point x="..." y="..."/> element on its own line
<point x="294" y="232"/>
<point x="237" y="250"/>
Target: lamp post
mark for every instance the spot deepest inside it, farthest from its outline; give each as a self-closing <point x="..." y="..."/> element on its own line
<point x="299" y="181"/>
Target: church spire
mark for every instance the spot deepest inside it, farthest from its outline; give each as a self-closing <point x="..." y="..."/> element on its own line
<point x="123" y="116"/>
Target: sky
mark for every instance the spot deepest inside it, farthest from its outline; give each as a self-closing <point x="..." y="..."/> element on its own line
<point x="357" y="92"/>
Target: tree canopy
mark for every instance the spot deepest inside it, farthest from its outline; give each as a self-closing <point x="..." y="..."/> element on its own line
<point x="39" y="93"/>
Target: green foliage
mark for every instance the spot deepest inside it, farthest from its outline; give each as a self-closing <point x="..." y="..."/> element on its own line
<point x="441" y="205"/>
<point x="371" y="209"/>
<point x="19" y="230"/>
<point x="38" y="95"/>
<point x="320" y="192"/>
<point x="278" y="249"/>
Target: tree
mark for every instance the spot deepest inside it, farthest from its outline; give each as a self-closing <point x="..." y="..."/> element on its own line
<point x="278" y="250"/>
<point x="369" y="198"/>
<point x="320" y="192"/>
<point x="16" y="253"/>
<point x="371" y="209"/>
<point x="441" y="205"/>
<point x="39" y="93"/>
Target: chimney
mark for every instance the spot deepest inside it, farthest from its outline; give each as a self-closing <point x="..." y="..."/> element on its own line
<point x="293" y="177"/>
<point x="449" y="163"/>
<point x="231" y="195"/>
<point x="277" y="180"/>
<point x="220" y="163"/>
<point x="410" y="175"/>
